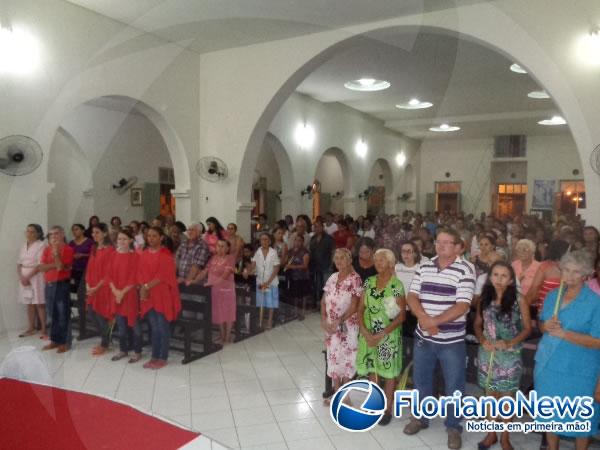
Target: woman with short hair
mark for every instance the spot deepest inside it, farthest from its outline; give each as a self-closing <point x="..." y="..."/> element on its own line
<point x="381" y="311"/>
<point x="31" y="281"/>
<point x="525" y="265"/>
<point x="567" y="362"/>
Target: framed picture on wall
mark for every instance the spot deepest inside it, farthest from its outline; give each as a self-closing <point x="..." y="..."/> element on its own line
<point x="137" y="197"/>
<point x="543" y="194"/>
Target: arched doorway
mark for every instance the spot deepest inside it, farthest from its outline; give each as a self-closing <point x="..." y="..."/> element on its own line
<point x="333" y="173"/>
<point x="115" y="138"/>
<point x="380" y="189"/>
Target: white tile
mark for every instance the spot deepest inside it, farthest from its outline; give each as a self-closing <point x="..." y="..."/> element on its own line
<point x="226" y="436"/>
<point x="140" y="398"/>
<point x="245" y="401"/>
<point x="284" y="396"/>
<point x="184" y="420"/>
<point x="292" y="411"/>
<point x="354" y="441"/>
<point x="301" y="429"/>
<point x="322" y="443"/>
<point x="275" y="383"/>
<point x="200" y="443"/>
<point x="243" y="387"/>
<point x="253" y="416"/>
<point x="208" y="390"/>
<point x="271" y="446"/>
<point x="212" y="420"/>
<point x="259" y="435"/>
<point x="218" y="403"/>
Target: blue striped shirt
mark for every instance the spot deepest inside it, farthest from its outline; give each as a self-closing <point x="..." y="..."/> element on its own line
<point x="439" y="290"/>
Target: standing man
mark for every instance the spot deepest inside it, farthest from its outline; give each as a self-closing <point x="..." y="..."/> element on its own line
<point x="191" y="256"/>
<point x="321" y="249"/>
<point x="56" y="262"/>
<point x="440" y="297"/>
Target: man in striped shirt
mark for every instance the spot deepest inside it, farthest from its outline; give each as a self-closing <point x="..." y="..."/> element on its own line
<point x="440" y="296"/>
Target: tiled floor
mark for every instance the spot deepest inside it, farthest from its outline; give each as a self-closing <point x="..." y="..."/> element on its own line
<point x="264" y="392"/>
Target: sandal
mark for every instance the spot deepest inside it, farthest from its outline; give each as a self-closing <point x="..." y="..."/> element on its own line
<point x="119" y="356"/>
<point x="135" y="358"/>
<point x="44" y="337"/>
<point x="27" y="333"/>
<point x="98" y="351"/>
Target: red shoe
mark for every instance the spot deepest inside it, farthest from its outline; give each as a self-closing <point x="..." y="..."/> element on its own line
<point x="150" y="364"/>
<point x="98" y="351"/>
<point x="160" y="363"/>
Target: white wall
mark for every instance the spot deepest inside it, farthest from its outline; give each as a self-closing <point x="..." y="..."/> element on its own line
<point x="329" y="173"/>
<point x="468" y="161"/>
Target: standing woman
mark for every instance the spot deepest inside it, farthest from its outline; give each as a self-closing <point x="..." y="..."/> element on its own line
<point x="159" y="295"/>
<point x="524" y="264"/>
<point x="501" y="325"/>
<point x="220" y="270"/>
<point x="214" y="232"/>
<point x="97" y="288"/>
<point x="236" y="243"/>
<point x="122" y="279"/>
<point x="93" y="220"/>
<point x="82" y="246"/>
<point x="31" y="282"/>
<point x="487" y="254"/>
<point x="408" y="264"/>
<point x="280" y="246"/>
<point x="364" y="265"/>
<point x="381" y="311"/>
<point x="567" y="362"/>
<point x="297" y="271"/>
<point x="341" y="295"/>
<point x="265" y="264"/>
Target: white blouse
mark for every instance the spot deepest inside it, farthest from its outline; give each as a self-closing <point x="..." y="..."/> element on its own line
<point x="265" y="266"/>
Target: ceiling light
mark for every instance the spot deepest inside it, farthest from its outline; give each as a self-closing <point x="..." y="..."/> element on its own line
<point x="414" y="103"/>
<point x="555" y="120"/>
<point x="367" y="84"/>
<point x="444" y="128"/>
<point x="517" y="68"/>
<point x="538" y="94"/>
<point x="304" y="135"/>
<point x="400" y="159"/>
<point x="361" y="148"/>
<point x="19" y="53"/>
<point x="589" y="47"/>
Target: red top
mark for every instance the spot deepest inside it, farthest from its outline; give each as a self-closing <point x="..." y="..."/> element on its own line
<point x="97" y="270"/>
<point x="66" y="257"/>
<point x="122" y="273"/>
<point x="164" y="297"/>
<point x="341" y="238"/>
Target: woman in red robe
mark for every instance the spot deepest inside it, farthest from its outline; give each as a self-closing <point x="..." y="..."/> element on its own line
<point x="122" y="279"/>
<point x="97" y="288"/>
<point x="159" y="295"/>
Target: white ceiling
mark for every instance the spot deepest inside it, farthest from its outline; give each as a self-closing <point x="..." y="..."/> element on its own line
<point x="469" y="85"/>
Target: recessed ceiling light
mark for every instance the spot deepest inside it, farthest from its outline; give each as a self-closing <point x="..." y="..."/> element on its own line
<point x="367" y="84"/>
<point x="444" y="128"/>
<point x="414" y="103"/>
<point x="517" y="68"/>
<point x="538" y="94"/>
<point x="555" y="120"/>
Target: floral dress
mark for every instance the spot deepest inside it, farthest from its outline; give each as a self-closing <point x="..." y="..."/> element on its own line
<point x="506" y="365"/>
<point x="343" y="344"/>
<point x="385" y="359"/>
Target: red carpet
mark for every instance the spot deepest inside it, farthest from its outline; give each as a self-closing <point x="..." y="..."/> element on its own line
<point x="33" y="416"/>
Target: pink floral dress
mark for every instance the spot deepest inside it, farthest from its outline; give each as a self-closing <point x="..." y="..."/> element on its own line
<point x="343" y="344"/>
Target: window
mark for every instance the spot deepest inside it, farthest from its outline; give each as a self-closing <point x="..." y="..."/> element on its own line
<point x="510" y="146"/>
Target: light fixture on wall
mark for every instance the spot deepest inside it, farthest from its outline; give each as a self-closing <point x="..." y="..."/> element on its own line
<point x="337" y="195"/>
<point x="400" y="159"/>
<point x="588" y="47"/>
<point x="19" y="51"/>
<point x="444" y="128"/>
<point x="361" y="148"/>
<point x="555" y="120"/>
<point x="367" y="84"/>
<point x="366" y="193"/>
<point x="538" y="95"/>
<point x="304" y="135"/>
<point x="306" y="191"/>
<point x="414" y="103"/>
<point x="517" y="69"/>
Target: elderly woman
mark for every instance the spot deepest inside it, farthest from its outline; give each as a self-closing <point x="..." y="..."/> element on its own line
<point x="567" y="362"/>
<point x="338" y="318"/>
<point x="525" y="266"/>
<point x="31" y="282"/>
<point x="381" y="311"/>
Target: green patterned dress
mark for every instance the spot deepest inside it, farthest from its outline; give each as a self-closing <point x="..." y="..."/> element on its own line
<point x="386" y="358"/>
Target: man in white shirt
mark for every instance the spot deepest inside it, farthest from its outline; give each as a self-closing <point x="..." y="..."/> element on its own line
<point x="329" y="225"/>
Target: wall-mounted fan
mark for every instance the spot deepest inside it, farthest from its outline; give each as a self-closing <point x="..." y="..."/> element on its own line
<point x="406" y="196"/>
<point x="212" y="169"/>
<point x="595" y="160"/>
<point x="124" y="184"/>
<point x="19" y="155"/>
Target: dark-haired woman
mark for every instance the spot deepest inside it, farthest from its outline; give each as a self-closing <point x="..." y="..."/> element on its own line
<point x="97" y="288"/>
<point x="94" y="220"/>
<point x="122" y="279"/>
<point x="31" y="282"/>
<point x="159" y="294"/>
<point x="82" y="247"/>
<point x="213" y="233"/>
<point x="501" y="324"/>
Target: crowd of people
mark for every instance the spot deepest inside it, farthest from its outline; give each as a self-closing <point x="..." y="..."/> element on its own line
<point x="501" y="280"/>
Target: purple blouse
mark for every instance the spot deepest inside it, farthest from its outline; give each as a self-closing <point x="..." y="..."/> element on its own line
<point x="79" y="264"/>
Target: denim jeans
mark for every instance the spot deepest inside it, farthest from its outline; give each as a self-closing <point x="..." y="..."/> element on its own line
<point x="101" y="326"/>
<point x="57" y="298"/>
<point x="452" y="358"/>
<point x="161" y="334"/>
<point x="130" y="338"/>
